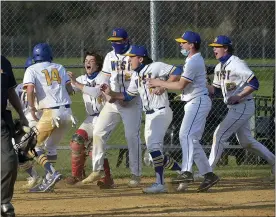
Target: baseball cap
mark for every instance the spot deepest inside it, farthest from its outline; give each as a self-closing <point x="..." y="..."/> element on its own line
<point x="189" y="36"/>
<point x="220" y="41"/>
<point x="118" y="34"/>
<point x="137" y="50"/>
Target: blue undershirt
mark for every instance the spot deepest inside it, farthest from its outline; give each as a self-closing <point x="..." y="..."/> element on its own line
<point x="94" y="75"/>
<point x="224" y="58"/>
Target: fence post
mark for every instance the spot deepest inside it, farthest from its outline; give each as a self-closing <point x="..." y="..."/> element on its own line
<point x="153" y="30"/>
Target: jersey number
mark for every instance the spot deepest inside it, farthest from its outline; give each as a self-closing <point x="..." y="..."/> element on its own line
<point x="53" y="77"/>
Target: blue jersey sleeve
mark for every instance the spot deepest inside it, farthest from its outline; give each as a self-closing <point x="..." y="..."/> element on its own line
<point x="177" y="71"/>
<point x="128" y="97"/>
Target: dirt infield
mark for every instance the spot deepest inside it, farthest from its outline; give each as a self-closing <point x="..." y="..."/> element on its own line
<point x="231" y="197"/>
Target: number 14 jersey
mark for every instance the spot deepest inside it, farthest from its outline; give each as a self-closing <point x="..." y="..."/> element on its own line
<point x="50" y="81"/>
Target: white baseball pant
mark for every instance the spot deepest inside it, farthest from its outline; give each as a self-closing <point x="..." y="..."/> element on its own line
<point x="50" y="135"/>
<point x="109" y="117"/>
<point x="88" y="125"/>
<point x="237" y="121"/>
<point x="191" y="131"/>
<point x="156" y="125"/>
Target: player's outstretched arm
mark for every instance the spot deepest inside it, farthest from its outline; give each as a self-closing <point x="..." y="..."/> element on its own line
<point x="239" y="97"/>
<point x="176" y="85"/>
<point x="92" y="91"/>
<point x="211" y="89"/>
<point x="114" y="95"/>
<point x="161" y="90"/>
<point x="69" y="88"/>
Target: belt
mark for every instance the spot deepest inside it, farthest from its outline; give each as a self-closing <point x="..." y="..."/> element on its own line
<point x="241" y="101"/>
<point x="196" y="97"/>
<point x="57" y="107"/>
<point x="95" y="114"/>
<point x="154" y="110"/>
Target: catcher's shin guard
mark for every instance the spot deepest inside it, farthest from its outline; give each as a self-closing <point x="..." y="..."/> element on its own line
<point x="78" y="155"/>
<point x="107" y="181"/>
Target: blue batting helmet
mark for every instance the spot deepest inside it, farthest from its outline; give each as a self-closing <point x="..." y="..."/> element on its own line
<point x="42" y="52"/>
<point x="28" y="62"/>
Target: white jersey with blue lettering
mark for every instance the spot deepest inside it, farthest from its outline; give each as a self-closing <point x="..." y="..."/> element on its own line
<point x="232" y="77"/>
<point x="92" y="104"/>
<point x="118" y="68"/>
<point x="50" y="81"/>
<point x="138" y="85"/>
<point x="194" y="71"/>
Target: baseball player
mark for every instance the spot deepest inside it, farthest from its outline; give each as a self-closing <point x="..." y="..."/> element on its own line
<point x="117" y="68"/>
<point x="52" y="85"/>
<point x="198" y="104"/>
<point x="156" y="107"/>
<point x="34" y="178"/>
<point x="94" y="101"/>
<point x="237" y="83"/>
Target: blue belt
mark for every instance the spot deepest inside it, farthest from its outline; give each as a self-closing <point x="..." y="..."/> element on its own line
<point x="95" y="114"/>
<point x="57" y="107"/>
<point x="153" y="110"/>
<point x="239" y="103"/>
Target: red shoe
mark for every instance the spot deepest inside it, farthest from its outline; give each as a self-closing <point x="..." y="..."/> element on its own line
<point x="106" y="183"/>
<point x="72" y="180"/>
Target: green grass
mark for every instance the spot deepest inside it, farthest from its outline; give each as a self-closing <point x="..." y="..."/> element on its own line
<point x="230" y="170"/>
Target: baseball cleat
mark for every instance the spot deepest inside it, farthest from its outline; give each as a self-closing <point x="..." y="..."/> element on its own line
<point x="155" y="189"/>
<point x="72" y="180"/>
<point x="182" y="187"/>
<point x="106" y="183"/>
<point x="47" y="185"/>
<point x="186" y="177"/>
<point x="198" y="176"/>
<point x="134" y="181"/>
<point x="32" y="182"/>
<point x="94" y="176"/>
<point x="210" y="179"/>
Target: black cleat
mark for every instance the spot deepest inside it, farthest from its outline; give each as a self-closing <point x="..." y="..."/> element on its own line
<point x="186" y="177"/>
<point x="210" y="179"/>
<point x="7" y="210"/>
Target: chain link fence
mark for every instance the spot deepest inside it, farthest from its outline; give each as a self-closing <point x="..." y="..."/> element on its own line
<point x="71" y="27"/>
